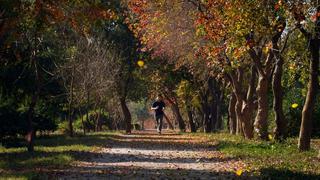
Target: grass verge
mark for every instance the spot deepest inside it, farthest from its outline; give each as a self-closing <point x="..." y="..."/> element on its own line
<point x="52" y="152"/>
<point x="271" y="159"/>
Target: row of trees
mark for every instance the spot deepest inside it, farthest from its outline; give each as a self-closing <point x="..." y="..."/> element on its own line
<point x="237" y="49"/>
<point x="63" y="61"/>
<point x="212" y="60"/>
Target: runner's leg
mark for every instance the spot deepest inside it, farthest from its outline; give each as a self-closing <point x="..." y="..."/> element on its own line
<point x="160" y="122"/>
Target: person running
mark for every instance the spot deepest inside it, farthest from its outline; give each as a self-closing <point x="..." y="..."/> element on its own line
<point x="158" y="107"/>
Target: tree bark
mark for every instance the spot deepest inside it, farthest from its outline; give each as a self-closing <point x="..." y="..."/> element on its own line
<point x="213" y="104"/>
<point x="168" y="121"/>
<point x="245" y="118"/>
<point x="308" y="108"/>
<point x="238" y="108"/>
<point x="207" y="125"/>
<point x="82" y="121"/>
<point x="71" y="103"/>
<point x="31" y="132"/>
<point x="219" y="123"/>
<point x="261" y="120"/>
<point x="178" y="117"/>
<point x="171" y="97"/>
<point x="190" y="117"/>
<point x="232" y="114"/>
<point x="244" y="105"/>
<point x="127" y="114"/>
<point x="87" y="108"/>
<point x="98" y="124"/>
<point x="281" y="123"/>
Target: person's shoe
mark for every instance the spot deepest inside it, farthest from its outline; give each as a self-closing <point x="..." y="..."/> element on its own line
<point x="159" y="132"/>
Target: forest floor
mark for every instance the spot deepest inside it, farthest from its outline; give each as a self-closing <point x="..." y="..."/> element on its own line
<point x="148" y="155"/>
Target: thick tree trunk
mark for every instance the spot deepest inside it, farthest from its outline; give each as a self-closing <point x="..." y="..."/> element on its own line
<point x="232" y="114"/>
<point x="244" y="105"/>
<point x="236" y="80"/>
<point x="308" y="108"/>
<point x="281" y="124"/>
<point x="246" y="124"/>
<point x="306" y="122"/>
<point x="244" y="119"/>
<point x="127" y="114"/>
<point x="261" y="120"/>
<point x="178" y="117"/>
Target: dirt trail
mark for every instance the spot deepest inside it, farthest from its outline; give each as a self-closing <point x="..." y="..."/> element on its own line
<point x="147" y="155"/>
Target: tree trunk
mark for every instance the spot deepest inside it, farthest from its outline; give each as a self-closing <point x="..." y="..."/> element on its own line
<point x="30" y="135"/>
<point x="82" y="121"/>
<point x="190" y="117"/>
<point x="178" y="116"/>
<point x="246" y="124"/>
<point x="232" y="114"/>
<point x="236" y="80"/>
<point x="71" y="103"/>
<point x="168" y="121"/>
<point x="244" y="105"/>
<point x="213" y="114"/>
<point x="87" y="109"/>
<point x="244" y="119"/>
<point x="281" y="124"/>
<point x="207" y="128"/>
<point x="219" y="123"/>
<point x="215" y="98"/>
<point x="98" y="123"/>
<point x="238" y="110"/>
<point x="261" y="120"/>
<point x="127" y="114"/>
<point x="308" y="108"/>
<point x="31" y="132"/>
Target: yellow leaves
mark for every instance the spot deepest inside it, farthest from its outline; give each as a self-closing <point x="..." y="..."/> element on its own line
<point x="140" y="63"/>
<point x="292" y="67"/>
<point x="239" y="172"/>
<point x="294" y="105"/>
<point x="266" y="50"/>
<point x="270" y="137"/>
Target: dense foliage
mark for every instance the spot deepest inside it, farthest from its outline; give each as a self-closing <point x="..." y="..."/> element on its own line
<point x="250" y="67"/>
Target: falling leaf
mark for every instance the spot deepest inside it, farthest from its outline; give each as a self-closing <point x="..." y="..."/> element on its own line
<point x="239" y="172"/>
<point x="294" y="106"/>
<point x="140" y="63"/>
<point x="270" y="137"/>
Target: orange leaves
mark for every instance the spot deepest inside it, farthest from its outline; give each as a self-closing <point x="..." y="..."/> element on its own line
<point x="99" y="13"/>
<point x="278" y="5"/>
<point x="165" y="27"/>
<point x="315" y="16"/>
<point x="137" y="6"/>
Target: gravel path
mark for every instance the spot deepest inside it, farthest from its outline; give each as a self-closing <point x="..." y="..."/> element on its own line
<point x="147" y="155"/>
